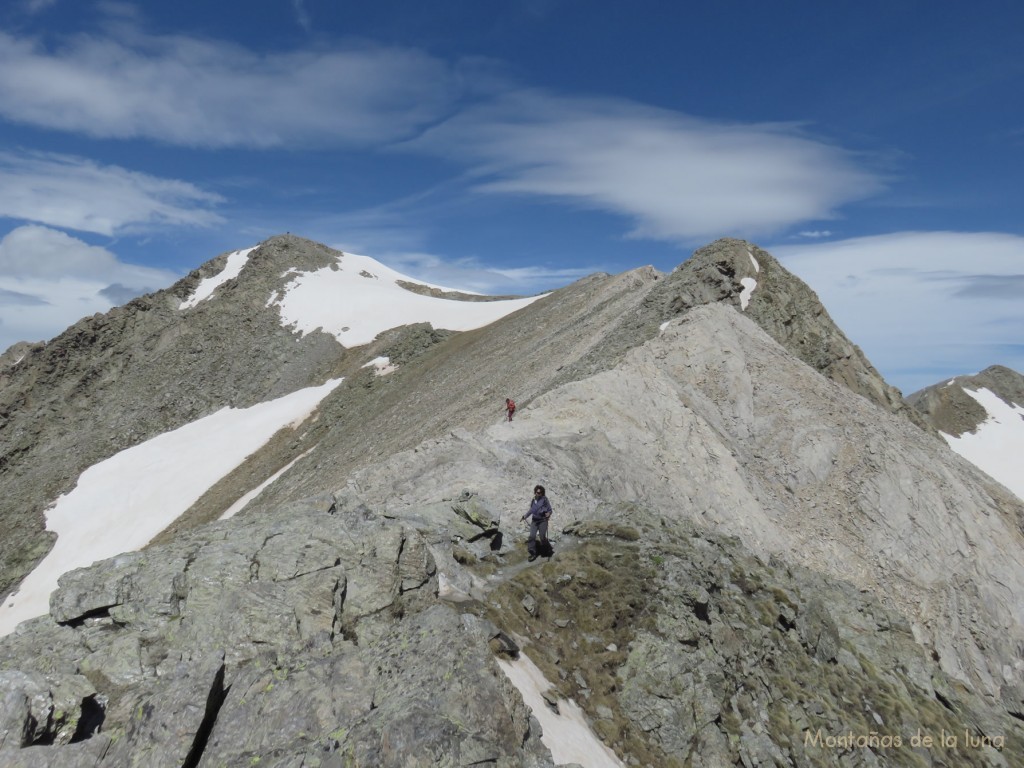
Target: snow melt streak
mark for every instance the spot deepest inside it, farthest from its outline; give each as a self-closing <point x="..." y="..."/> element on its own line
<point x="566" y="732"/>
<point x="749" y="284"/>
<point x="123" y="502"/>
<point x="236" y="262"/>
<point x="997" y="445"/>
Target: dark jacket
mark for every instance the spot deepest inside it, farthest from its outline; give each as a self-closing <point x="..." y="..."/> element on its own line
<point x="540" y="509"/>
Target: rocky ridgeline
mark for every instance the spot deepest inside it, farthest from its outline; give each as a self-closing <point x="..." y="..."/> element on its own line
<point x="785" y="307"/>
<point x="112" y="381"/>
<point x="753" y="565"/>
<point x="951" y="410"/>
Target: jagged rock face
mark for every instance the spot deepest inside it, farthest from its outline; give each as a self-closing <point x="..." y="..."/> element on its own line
<point x="951" y="410"/>
<point x="310" y="634"/>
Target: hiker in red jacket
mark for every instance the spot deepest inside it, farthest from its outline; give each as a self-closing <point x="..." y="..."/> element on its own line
<point x="510" y="406"/>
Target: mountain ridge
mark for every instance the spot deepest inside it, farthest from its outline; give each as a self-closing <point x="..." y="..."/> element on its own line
<point x="753" y="543"/>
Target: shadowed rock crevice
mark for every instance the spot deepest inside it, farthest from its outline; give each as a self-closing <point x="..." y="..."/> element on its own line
<point x="90" y="721"/>
<point x="214" y="702"/>
<point x="100" y="612"/>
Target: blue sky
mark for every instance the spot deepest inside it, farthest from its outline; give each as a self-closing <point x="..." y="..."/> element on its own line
<point x="875" y="147"/>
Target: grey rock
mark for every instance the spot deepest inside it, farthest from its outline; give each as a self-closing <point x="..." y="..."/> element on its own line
<point x="40" y="711"/>
<point x="168" y="725"/>
<point x="818" y="631"/>
<point x="84" y="754"/>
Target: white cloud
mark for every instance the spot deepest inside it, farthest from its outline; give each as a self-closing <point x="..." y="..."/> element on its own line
<point x="73" y="192"/>
<point x="302" y="15"/>
<point x="924" y="306"/>
<point x="470" y="274"/>
<point x="35" y="6"/>
<point x="678" y="178"/>
<point x="391" y="234"/>
<point x="49" y="280"/>
<point x="215" y="93"/>
<point x="814" y="234"/>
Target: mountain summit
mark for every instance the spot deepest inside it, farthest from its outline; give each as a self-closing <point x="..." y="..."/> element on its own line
<point x="981" y="417"/>
<point x="300" y="462"/>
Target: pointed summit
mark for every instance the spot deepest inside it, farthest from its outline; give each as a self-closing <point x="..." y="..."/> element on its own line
<point x="740" y="274"/>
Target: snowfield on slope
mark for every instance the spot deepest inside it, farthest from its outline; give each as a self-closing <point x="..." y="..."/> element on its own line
<point x="997" y="445"/>
<point x="358" y="298"/>
<point x="120" y="504"/>
<point x="232" y="269"/>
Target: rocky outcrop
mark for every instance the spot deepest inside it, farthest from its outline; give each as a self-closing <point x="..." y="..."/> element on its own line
<point x="948" y="408"/>
<point x="323" y="635"/>
<point x="739" y="273"/>
<point x="312" y="634"/>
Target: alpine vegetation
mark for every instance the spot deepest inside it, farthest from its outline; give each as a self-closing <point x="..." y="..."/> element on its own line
<point x="274" y="515"/>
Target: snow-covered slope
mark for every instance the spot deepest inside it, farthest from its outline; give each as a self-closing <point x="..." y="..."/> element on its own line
<point x="997" y="445"/>
<point x="355" y="298"/>
<point x="120" y="504"/>
<point x="981" y="417"/>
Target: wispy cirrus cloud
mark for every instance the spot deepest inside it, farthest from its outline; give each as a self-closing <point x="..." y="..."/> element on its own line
<point x="76" y="193"/>
<point x="676" y="177"/>
<point x="49" y="280"/>
<point x="302" y="15"/>
<point x="923" y="305"/>
<point x="472" y="274"/>
<point x="403" y="249"/>
<point x="213" y="93"/>
<point x="35" y="6"/>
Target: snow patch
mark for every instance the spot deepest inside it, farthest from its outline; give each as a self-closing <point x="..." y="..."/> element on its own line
<point x="663" y="326"/>
<point x="566" y="733"/>
<point x="382" y="364"/>
<point x="996" y="446"/>
<point x="341" y="301"/>
<point x="749" y="284"/>
<point x="757" y="267"/>
<point x="239" y="505"/>
<point x="120" y="504"/>
<point x="232" y="269"/>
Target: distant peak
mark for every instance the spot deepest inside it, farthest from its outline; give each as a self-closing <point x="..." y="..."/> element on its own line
<point x="740" y="274"/>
